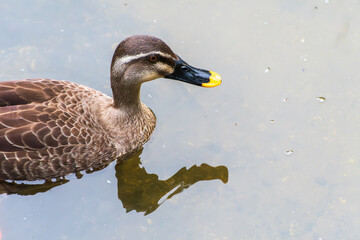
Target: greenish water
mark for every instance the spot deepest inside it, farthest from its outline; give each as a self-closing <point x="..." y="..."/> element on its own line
<point x="272" y="153"/>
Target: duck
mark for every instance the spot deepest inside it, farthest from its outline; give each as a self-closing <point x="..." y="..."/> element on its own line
<point x="51" y="128"/>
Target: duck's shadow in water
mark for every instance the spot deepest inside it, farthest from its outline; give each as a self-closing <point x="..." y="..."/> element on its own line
<point x="137" y="189"/>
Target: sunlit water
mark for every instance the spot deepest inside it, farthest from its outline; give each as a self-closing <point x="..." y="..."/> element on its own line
<point x="284" y="124"/>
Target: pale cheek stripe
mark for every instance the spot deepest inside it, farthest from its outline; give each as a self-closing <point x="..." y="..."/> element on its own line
<point x="164" y="67"/>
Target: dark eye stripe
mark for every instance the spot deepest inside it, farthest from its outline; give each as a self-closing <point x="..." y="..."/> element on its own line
<point x="163" y="59"/>
<point x="168" y="61"/>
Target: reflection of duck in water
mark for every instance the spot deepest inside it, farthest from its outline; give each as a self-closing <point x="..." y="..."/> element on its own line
<point x="141" y="191"/>
<point x="51" y="128"/>
<point x="137" y="189"/>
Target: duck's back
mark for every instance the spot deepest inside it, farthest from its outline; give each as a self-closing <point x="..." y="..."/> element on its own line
<point x="49" y="128"/>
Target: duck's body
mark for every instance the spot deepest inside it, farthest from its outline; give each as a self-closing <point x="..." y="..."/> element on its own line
<point x="50" y="128"/>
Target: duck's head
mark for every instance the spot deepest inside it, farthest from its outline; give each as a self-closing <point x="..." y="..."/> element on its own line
<point x="142" y="58"/>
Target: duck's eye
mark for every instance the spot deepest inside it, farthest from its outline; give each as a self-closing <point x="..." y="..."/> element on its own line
<point x="153" y="58"/>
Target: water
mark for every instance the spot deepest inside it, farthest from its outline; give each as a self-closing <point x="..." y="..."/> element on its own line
<point x="310" y="49"/>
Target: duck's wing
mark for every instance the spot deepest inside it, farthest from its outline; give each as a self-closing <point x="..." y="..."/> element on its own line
<point x="26" y="123"/>
<point x="20" y="92"/>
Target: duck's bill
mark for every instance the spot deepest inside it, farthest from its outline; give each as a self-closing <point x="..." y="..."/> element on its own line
<point x="186" y="73"/>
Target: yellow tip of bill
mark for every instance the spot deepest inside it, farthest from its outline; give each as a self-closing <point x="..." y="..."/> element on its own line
<point x="215" y="80"/>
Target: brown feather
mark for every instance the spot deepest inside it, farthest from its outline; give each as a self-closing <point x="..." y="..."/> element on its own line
<point x="6" y="146"/>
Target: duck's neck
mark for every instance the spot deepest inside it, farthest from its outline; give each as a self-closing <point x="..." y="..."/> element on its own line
<point x="126" y="97"/>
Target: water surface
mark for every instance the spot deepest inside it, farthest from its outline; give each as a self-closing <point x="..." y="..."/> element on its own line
<point x="284" y="123"/>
